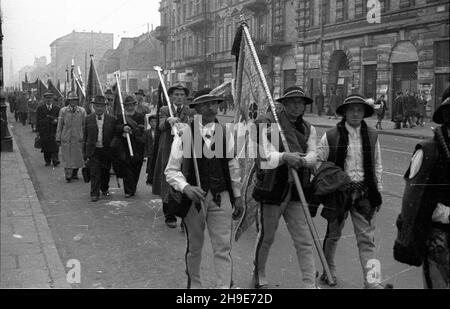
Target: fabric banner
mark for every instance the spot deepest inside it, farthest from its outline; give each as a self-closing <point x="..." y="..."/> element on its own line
<point x="251" y="102"/>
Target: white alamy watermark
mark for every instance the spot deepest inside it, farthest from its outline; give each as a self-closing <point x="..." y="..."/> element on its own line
<point x="373" y="12"/>
<point x="74" y="273"/>
<point x="241" y="141"/>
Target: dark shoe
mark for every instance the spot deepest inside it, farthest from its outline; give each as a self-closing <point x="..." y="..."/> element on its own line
<point x="68" y="180"/>
<point x="324" y="279"/>
<point x="171" y="224"/>
<point x="128" y="195"/>
<point x="106" y="193"/>
<point x="55" y="164"/>
<point x="47" y="163"/>
<point x="94" y="198"/>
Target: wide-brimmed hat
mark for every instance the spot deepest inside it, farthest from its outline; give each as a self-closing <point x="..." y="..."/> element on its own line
<point x="72" y="96"/>
<point x="445" y="104"/>
<point x="356" y="99"/>
<point x="99" y="99"/>
<point x="294" y="92"/>
<point x="129" y="100"/>
<point x="203" y="96"/>
<point x="178" y="87"/>
<point x="48" y="94"/>
<point x="140" y="92"/>
<point x="108" y="92"/>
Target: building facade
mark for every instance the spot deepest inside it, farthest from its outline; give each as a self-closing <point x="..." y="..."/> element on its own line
<point x="133" y="59"/>
<point x="78" y="46"/>
<point x="367" y="46"/>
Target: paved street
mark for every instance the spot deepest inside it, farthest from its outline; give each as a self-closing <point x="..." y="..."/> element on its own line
<point x="124" y="243"/>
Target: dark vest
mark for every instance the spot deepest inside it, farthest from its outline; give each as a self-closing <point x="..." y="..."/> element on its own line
<point x="272" y="184"/>
<point x="214" y="172"/>
<point x="333" y="141"/>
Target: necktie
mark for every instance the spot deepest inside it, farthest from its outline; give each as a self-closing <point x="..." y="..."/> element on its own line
<point x="99" y="117"/>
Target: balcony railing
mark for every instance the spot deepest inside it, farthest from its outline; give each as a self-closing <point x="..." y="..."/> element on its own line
<point x="199" y="22"/>
<point x="256" y="6"/>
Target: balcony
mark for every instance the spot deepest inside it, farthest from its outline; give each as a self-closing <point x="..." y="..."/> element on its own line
<point x="259" y="7"/>
<point x="199" y="22"/>
<point x="162" y="33"/>
<point x="198" y="61"/>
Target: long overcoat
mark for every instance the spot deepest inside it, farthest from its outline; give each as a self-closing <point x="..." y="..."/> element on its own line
<point x="46" y="126"/>
<point x="160" y="186"/>
<point x="70" y="134"/>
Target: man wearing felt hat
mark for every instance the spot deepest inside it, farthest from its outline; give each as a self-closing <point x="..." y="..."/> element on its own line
<point x="208" y="204"/>
<point x="109" y="95"/>
<point x="423" y="224"/>
<point x="354" y="148"/>
<point x="46" y="125"/>
<point x="69" y="136"/>
<point x="142" y="106"/>
<point x="178" y="94"/>
<point x="275" y="189"/>
<point x="135" y="127"/>
<point x="98" y="132"/>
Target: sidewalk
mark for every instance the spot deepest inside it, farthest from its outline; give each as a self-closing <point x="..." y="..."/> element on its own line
<point x="29" y="258"/>
<point x="387" y="125"/>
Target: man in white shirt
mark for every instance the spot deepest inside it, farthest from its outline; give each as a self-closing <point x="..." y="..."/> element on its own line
<point x="356" y="149"/>
<point x="276" y="191"/>
<point x="209" y="204"/>
<point x="98" y="132"/>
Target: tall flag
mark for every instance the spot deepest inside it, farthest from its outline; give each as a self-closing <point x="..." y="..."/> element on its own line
<point x="251" y="101"/>
<point x="161" y="103"/>
<point x="26" y="78"/>
<point x="116" y="109"/>
<point x="66" y="83"/>
<point x="41" y="88"/>
<point x="81" y="95"/>
<point x="72" y="77"/>
<point x="54" y="90"/>
<point x="93" y="87"/>
<point x="58" y="85"/>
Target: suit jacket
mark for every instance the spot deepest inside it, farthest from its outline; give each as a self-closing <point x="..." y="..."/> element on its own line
<point x="91" y="133"/>
<point x="46" y="126"/>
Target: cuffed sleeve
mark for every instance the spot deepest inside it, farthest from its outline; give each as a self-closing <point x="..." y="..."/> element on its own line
<point x="378" y="166"/>
<point x="173" y="173"/>
<point x="235" y="177"/>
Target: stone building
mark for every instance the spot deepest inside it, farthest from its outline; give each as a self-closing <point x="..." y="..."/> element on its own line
<point x="366" y="46"/>
<point x="134" y="59"/>
<point x="341" y="47"/>
<point x="197" y="37"/>
<point x="78" y="46"/>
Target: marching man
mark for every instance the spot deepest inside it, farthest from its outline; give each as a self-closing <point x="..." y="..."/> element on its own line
<point x="209" y="204"/>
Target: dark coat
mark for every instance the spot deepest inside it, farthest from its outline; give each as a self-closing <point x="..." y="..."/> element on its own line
<point x="398" y="109"/>
<point x="327" y="186"/>
<point x="160" y="186"/>
<point x="91" y="133"/>
<point x="47" y="123"/>
<point x="137" y="124"/>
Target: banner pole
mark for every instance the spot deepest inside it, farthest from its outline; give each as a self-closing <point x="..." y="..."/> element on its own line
<point x="304" y="204"/>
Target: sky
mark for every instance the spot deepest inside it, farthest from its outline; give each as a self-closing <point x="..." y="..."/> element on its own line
<point x="29" y="26"/>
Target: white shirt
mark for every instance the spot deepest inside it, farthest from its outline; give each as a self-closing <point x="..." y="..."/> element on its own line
<point x="99" y="143"/>
<point x="173" y="173"/>
<point x="353" y="165"/>
<point x="273" y="158"/>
